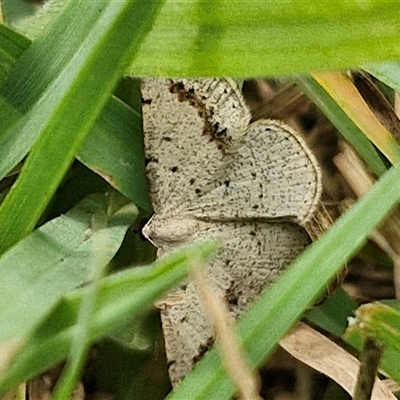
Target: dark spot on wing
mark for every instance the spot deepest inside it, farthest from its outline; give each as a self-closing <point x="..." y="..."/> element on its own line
<point x="174" y="169"/>
<point x="219" y="133"/>
<point x="212" y="130"/>
<point x="146" y="101"/>
<point x="171" y="362"/>
<point x="203" y="348"/>
<point x="148" y="160"/>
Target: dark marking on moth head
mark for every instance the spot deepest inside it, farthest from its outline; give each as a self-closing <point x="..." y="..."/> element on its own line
<point x="177" y="87"/>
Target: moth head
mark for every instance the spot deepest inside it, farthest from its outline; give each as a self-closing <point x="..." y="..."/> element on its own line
<point x="168" y="230"/>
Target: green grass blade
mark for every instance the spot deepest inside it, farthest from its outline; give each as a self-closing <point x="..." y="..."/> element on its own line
<point x="342" y="122"/>
<point x="70" y="104"/>
<point x="282" y="304"/>
<point x="59" y="256"/>
<point x="80" y="345"/>
<point x="258" y="38"/>
<point x="121" y="296"/>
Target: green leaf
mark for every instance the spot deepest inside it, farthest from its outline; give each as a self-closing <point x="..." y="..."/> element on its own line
<point x="58" y="257"/>
<point x="382" y="323"/>
<point x="28" y="18"/>
<point x="114" y="150"/>
<point x="333" y="314"/>
<point x="282" y="305"/>
<point x="86" y="66"/>
<point x="12" y="46"/>
<point x="258" y="38"/>
<point x="121" y="296"/>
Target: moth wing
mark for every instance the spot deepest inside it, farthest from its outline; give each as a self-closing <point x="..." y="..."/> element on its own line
<point x="189" y="125"/>
<point x="252" y="257"/>
<point x="270" y="175"/>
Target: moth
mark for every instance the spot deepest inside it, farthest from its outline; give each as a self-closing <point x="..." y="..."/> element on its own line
<point x="212" y="173"/>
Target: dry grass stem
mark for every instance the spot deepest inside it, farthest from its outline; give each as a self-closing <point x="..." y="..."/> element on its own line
<point x="315" y="350"/>
<point x="231" y="352"/>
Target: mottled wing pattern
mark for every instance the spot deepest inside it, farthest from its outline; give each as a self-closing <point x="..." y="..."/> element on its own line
<point x="189" y="125"/>
<point x="252" y="257"/>
<point x="271" y="175"/>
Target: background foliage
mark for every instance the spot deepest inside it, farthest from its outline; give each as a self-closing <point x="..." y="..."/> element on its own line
<point x="60" y="61"/>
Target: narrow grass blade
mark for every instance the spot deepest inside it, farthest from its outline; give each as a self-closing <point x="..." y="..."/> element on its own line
<point x="343" y="91"/>
<point x="342" y="122"/>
